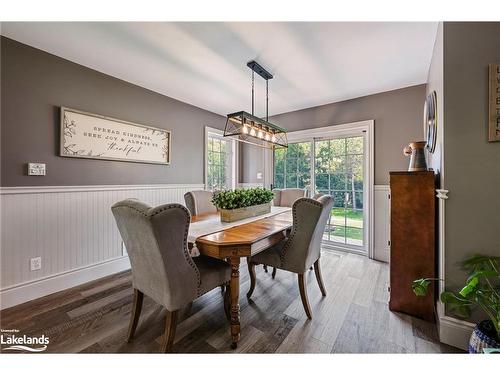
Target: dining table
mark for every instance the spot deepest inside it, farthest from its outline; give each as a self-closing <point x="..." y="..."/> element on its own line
<point x="233" y="241"/>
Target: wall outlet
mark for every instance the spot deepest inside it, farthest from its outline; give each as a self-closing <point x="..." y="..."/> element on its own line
<point x="35" y="263"/>
<point x="36" y="169"/>
<point x="259" y="175"/>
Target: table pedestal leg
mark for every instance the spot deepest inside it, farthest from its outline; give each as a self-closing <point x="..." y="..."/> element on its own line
<point x="235" y="301"/>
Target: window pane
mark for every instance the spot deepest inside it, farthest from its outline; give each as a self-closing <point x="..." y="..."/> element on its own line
<point x="338" y="216"/>
<point x="358" y="202"/>
<point x="337" y="233"/>
<point x="223" y="146"/>
<point x="291" y="165"/>
<point x="279" y="181"/>
<point x="338" y="181"/>
<point x="337" y="164"/>
<point x="292" y="150"/>
<point x="291" y="181"/>
<point x="338" y="146"/>
<point x="216" y="145"/>
<point x="304" y="181"/>
<point x="354" y="145"/>
<point x="322" y="182"/>
<point x="304" y="165"/>
<point x="338" y="199"/>
<point x="304" y="149"/>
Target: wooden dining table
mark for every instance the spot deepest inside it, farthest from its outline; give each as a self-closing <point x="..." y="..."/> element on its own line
<point x="237" y="242"/>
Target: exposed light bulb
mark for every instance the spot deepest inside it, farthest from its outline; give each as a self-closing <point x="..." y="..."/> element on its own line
<point x="260" y="134"/>
<point x="252" y="132"/>
<point x="273" y="138"/>
<point x="268" y="137"/>
<point x="245" y="129"/>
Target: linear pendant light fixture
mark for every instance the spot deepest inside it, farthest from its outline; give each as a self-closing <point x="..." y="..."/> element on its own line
<point x="246" y="127"/>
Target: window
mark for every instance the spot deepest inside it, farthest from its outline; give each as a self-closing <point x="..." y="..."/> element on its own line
<point x="220" y="165"/>
<point x="292" y="166"/>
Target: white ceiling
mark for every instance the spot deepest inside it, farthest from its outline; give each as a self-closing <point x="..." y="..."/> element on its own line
<point x="204" y="64"/>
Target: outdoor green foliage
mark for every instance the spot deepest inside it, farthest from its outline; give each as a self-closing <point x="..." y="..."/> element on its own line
<point x="482" y="289"/>
<point x="238" y="198"/>
<point x="216" y="153"/>
<point x="292" y="166"/>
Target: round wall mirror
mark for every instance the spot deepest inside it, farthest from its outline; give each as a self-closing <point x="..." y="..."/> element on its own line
<point x="430" y="121"/>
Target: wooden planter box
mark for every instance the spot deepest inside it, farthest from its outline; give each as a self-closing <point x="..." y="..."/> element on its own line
<point x="229" y="216"/>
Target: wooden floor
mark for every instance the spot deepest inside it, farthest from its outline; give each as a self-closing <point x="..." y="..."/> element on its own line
<point x="352" y="318"/>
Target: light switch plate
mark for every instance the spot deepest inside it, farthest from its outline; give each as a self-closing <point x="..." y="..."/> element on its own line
<point x="36" y="169"/>
<point x="35" y="263"/>
<point x="259" y="175"/>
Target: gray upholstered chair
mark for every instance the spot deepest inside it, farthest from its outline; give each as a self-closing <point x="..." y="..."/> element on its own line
<point x="156" y="242"/>
<point x="286" y="197"/>
<point x="317" y="196"/>
<point x="302" y="248"/>
<point x="199" y="202"/>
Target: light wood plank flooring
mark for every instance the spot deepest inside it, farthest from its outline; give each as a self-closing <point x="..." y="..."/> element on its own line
<point x="352" y="318"/>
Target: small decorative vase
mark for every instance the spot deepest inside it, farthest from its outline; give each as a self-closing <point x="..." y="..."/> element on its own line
<point x="483" y="336"/>
<point x="416" y="151"/>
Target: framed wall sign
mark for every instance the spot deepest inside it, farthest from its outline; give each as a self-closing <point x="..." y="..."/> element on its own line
<point x="86" y="135"/>
<point x="494" y="107"/>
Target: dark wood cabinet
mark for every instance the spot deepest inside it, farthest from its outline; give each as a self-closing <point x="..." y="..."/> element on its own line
<point x="413" y="241"/>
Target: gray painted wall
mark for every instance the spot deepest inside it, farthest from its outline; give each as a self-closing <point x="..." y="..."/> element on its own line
<point x="435" y="83"/>
<point x="398" y="120"/>
<point x="35" y="84"/>
<point x="471" y="163"/>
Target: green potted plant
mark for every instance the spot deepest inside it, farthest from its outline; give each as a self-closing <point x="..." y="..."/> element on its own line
<point x="481" y="290"/>
<point x="240" y="204"/>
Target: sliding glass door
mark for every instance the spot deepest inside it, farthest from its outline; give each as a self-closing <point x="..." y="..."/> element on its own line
<point x="339" y="169"/>
<point x="333" y="166"/>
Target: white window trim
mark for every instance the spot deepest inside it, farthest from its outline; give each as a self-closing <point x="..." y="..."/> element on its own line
<point x="234" y="161"/>
<point x="347" y="129"/>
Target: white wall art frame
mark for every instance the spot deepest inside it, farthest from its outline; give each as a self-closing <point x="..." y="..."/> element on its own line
<point x="91" y="136"/>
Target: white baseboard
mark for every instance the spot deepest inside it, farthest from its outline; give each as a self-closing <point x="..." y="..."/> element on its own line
<point x="25" y="292"/>
<point x="455" y="332"/>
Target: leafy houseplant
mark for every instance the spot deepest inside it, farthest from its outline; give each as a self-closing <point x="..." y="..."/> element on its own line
<point x="482" y="289"/>
<point x="242" y="203"/>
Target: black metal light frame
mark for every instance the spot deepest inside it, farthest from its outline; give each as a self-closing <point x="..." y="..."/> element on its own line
<point x="251" y="129"/>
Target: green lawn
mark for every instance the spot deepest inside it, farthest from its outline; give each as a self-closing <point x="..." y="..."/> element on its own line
<point x="349" y="213"/>
<point x="354" y="228"/>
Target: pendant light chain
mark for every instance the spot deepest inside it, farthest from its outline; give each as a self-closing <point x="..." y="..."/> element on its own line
<point x="267" y="100"/>
<point x="253" y="79"/>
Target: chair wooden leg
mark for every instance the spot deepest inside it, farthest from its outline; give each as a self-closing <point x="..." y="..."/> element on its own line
<point x="169" y="335"/>
<point x="274" y="272"/>
<point x="227" y="303"/>
<point x="136" y="313"/>
<point x="303" y="296"/>
<point x="265" y="268"/>
<point x="251" y="272"/>
<point x="319" y="278"/>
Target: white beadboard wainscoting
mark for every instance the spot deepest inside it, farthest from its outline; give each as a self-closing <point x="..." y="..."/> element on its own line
<point x="72" y="229"/>
<point x="382" y="223"/>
